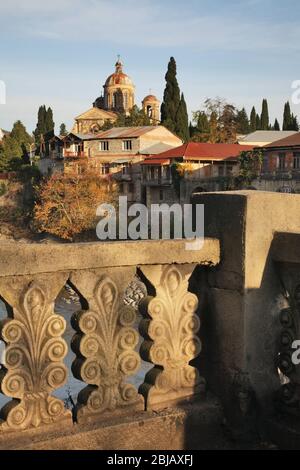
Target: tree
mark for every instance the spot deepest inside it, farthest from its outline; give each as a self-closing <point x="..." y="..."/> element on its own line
<point x="49" y="123"/>
<point x="294" y="123"/>
<point x="182" y="120"/>
<point x="67" y="202"/>
<point x="264" y="118"/>
<point x="14" y="148"/>
<point x="214" y="131"/>
<point x="228" y="124"/>
<point x="63" y="129"/>
<point x="136" y="117"/>
<point x="200" y="132"/>
<point x="276" y="126"/>
<point x="242" y="119"/>
<point x="222" y="121"/>
<point x="287" y="117"/>
<point x="258" y="123"/>
<point x="44" y="130"/>
<point x="250" y="163"/>
<point x="171" y="100"/>
<point x="253" y="120"/>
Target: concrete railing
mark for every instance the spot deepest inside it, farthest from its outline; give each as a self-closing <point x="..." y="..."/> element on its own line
<point x="246" y="280"/>
<point x="105" y="337"/>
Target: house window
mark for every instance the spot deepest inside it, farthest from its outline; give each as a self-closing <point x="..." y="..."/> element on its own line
<point x="281" y="161"/>
<point x="105" y="169"/>
<point x="296" y="161"/>
<point x="127" y="145"/>
<point x="131" y="188"/>
<point x="161" y="195"/>
<point x="104" y="146"/>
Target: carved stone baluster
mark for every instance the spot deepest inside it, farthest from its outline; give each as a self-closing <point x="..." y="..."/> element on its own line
<point x="34" y="353"/>
<point x="104" y="344"/>
<point x="170" y="330"/>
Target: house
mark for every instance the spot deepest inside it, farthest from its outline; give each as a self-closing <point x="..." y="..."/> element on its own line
<point x="263" y="138"/>
<point x="281" y="166"/>
<point x="118" y="152"/>
<point x="176" y="174"/>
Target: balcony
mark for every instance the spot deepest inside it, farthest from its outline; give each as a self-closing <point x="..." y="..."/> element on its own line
<point x="77" y="154"/>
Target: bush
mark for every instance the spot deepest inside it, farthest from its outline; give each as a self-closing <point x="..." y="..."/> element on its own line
<point x="67" y="203"/>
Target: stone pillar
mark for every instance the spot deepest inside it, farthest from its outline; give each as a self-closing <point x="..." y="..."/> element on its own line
<point x="245" y="295"/>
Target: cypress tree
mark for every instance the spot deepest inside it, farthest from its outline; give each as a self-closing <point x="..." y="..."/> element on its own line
<point x="276" y="126"/>
<point x="242" y="122"/>
<point x="182" y="120"/>
<point x="294" y="123"/>
<point x="41" y="123"/>
<point x="253" y="120"/>
<point x="49" y="123"/>
<point x="287" y="117"/>
<point x="264" y="119"/>
<point x="258" y="124"/>
<point x="171" y="101"/>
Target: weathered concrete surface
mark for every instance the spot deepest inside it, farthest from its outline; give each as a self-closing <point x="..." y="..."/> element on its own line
<point x="21" y="258"/>
<point x="196" y="426"/>
<point x="246" y="294"/>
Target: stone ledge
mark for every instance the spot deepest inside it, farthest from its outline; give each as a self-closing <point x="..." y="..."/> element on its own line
<point x="17" y="259"/>
<point x="190" y="426"/>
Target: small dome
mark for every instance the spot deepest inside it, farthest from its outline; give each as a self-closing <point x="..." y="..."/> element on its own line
<point x="151" y="98"/>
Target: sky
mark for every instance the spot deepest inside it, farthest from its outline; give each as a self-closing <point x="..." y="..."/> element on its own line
<point x="59" y="53"/>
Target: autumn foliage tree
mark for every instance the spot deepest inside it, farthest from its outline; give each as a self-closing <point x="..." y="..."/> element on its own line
<point x="67" y="202"/>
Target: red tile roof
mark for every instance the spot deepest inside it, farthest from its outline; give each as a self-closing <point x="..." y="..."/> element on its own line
<point x="290" y="141"/>
<point x="201" y="151"/>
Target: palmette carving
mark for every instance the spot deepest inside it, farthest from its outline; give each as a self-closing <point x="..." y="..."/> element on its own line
<point x="171" y="340"/>
<point x="105" y="349"/>
<point x="34" y="362"/>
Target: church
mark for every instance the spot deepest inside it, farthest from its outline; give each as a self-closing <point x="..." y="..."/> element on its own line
<point x="118" y="96"/>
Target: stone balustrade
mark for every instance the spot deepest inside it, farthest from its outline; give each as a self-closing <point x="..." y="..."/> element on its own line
<point x="244" y="286"/>
<point x="105" y="337"/>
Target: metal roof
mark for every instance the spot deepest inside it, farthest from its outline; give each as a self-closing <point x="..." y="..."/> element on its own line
<point x="124" y="132"/>
<point x="266" y="136"/>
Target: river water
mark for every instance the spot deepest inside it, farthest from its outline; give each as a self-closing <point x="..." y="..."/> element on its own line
<point x="66" y="304"/>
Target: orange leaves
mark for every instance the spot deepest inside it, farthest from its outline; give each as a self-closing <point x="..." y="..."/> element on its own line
<point x="67" y="203"/>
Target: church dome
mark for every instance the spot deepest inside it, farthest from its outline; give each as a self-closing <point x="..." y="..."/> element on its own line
<point x="151" y="98"/>
<point x="118" y="77"/>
